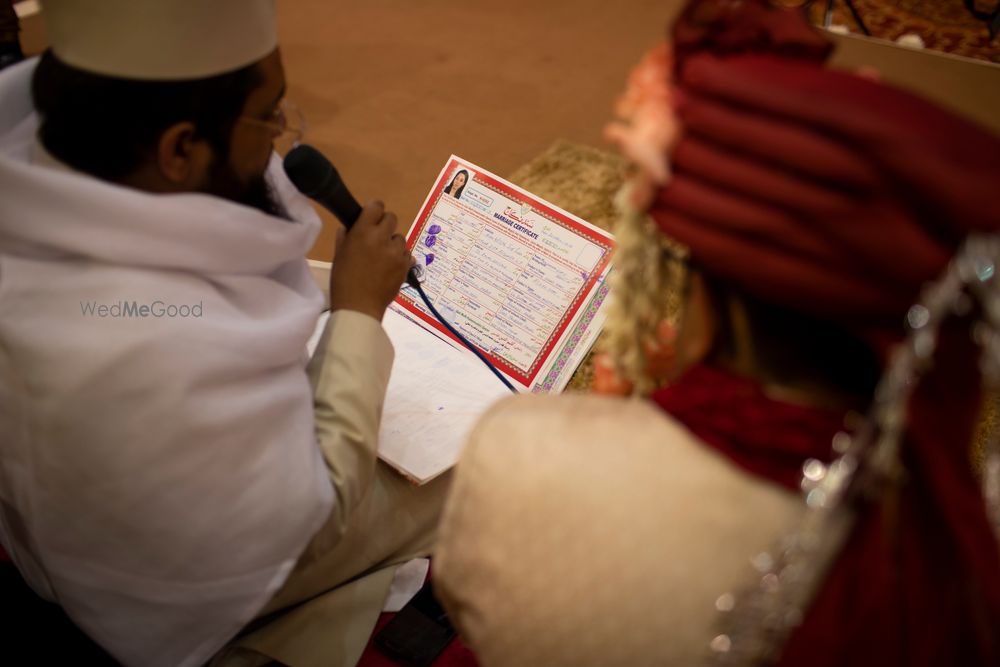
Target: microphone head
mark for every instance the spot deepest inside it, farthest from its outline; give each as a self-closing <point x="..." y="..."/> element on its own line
<point x="310" y="171"/>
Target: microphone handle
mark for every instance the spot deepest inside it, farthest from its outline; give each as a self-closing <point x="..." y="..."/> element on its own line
<point x="342" y="204"/>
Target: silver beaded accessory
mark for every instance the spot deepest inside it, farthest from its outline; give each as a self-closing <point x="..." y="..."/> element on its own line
<point x="755" y="623"/>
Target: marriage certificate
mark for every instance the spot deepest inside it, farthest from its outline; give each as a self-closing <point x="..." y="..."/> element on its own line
<point x="522" y="279"/>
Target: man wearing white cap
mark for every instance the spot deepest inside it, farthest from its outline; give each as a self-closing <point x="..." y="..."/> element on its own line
<point x="171" y="469"/>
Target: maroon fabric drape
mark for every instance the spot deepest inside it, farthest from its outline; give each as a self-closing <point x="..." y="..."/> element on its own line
<point x="838" y="196"/>
<point x="762" y="435"/>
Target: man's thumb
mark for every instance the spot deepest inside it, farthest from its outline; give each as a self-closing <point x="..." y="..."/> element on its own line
<point x="341" y="235"/>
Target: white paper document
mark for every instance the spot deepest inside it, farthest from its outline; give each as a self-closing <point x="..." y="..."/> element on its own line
<point x="522" y="279"/>
<point x="436" y="393"/>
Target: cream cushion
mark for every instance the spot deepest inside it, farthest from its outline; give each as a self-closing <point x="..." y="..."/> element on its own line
<point x="585" y="530"/>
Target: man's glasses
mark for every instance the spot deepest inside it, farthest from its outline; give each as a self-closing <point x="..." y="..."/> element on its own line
<point x="287" y="126"/>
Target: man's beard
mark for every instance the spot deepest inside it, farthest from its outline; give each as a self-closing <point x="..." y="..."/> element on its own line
<point x="255" y="192"/>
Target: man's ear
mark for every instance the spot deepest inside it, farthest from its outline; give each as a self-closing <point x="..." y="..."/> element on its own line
<point x="182" y="157"/>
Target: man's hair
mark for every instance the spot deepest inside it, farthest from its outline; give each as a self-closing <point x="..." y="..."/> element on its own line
<point x="107" y="126"/>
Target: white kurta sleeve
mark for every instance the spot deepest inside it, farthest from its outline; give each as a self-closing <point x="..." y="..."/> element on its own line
<point x="349" y="374"/>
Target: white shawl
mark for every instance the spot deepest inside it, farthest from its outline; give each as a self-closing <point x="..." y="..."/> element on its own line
<point x="159" y="474"/>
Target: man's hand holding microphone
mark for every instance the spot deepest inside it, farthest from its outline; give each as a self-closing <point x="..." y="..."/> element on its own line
<point x="371" y="258"/>
<point x="371" y="263"/>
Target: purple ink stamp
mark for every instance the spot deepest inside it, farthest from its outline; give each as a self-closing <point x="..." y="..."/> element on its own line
<point x="434" y="229"/>
<point x="430" y="241"/>
<point x="428" y="258"/>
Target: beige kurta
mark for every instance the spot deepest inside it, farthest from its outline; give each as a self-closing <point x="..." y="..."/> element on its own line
<point x="585" y="530"/>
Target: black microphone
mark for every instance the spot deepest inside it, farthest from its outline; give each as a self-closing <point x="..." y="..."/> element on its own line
<point x="316" y="177"/>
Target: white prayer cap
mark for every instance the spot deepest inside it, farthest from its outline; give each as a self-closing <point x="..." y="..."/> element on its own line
<point x="160" y="39"/>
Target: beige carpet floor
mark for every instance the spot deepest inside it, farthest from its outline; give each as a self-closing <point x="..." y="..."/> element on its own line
<point x="391" y="88"/>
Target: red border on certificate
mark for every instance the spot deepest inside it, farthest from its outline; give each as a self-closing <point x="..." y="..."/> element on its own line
<point x="525" y="378"/>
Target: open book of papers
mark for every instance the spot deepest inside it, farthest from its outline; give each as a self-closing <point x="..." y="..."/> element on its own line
<point x="522" y="279"/>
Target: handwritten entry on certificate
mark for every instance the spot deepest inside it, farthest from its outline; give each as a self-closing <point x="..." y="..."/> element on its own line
<point x="522" y="279"/>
